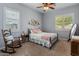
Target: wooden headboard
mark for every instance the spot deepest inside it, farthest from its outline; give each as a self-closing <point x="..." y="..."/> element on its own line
<point x="33" y="24"/>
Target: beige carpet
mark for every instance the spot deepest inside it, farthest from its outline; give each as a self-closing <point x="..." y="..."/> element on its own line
<point x="61" y="48"/>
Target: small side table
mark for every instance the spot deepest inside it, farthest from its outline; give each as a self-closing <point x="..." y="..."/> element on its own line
<point x="17" y="42"/>
<point x="25" y="38"/>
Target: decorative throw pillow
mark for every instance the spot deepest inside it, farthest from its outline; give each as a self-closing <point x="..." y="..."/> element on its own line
<point x="36" y="30"/>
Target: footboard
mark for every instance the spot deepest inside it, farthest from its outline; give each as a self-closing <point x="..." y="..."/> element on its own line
<point x="52" y="42"/>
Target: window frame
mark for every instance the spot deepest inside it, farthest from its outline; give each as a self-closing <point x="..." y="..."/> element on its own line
<point x="69" y="14"/>
<point x="17" y="19"/>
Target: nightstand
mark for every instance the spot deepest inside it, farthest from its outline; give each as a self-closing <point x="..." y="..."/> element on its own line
<point x="25" y="38"/>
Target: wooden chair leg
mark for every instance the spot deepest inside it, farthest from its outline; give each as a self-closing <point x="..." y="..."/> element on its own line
<point x="13" y="47"/>
<point x="20" y="43"/>
<point x="6" y="48"/>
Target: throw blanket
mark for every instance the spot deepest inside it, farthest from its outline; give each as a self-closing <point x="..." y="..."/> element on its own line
<point x="46" y="36"/>
<point x="42" y="38"/>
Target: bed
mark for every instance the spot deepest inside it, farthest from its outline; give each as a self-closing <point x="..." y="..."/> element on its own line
<point x="43" y="38"/>
<point x="36" y="35"/>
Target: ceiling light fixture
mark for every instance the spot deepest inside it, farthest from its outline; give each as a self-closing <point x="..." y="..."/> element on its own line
<point x="47" y="6"/>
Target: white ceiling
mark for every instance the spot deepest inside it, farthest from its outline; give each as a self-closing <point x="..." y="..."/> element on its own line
<point x="58" y="6"/>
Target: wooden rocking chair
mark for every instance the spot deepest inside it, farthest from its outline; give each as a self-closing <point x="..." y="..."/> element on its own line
<point x="9" y="42"/>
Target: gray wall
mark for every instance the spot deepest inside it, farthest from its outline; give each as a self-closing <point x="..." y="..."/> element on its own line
<point x="26" y="14"/>
<point x="49" y="19"/>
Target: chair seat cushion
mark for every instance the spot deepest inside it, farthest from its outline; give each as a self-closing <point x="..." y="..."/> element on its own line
<point x="9" y="37"/>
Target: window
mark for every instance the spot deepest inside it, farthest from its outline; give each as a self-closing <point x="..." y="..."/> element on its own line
<point x="63" y="22"/>
<point x="11" y="19"/>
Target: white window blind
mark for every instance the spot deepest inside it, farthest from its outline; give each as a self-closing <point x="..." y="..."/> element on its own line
<point x="11" y="19"/>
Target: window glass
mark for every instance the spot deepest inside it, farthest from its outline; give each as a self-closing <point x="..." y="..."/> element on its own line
<point x="11" y="19"/>
<point x="63" y="22"/>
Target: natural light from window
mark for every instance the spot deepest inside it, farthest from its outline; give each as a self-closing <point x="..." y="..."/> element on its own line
<point x="63" y="22"/>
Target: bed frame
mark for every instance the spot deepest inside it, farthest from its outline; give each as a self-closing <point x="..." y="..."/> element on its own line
<point x="70" y="32"/>
<point x="51" y="41"/>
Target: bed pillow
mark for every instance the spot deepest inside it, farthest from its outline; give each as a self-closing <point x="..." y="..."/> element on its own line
<point x="35" y="30"/>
